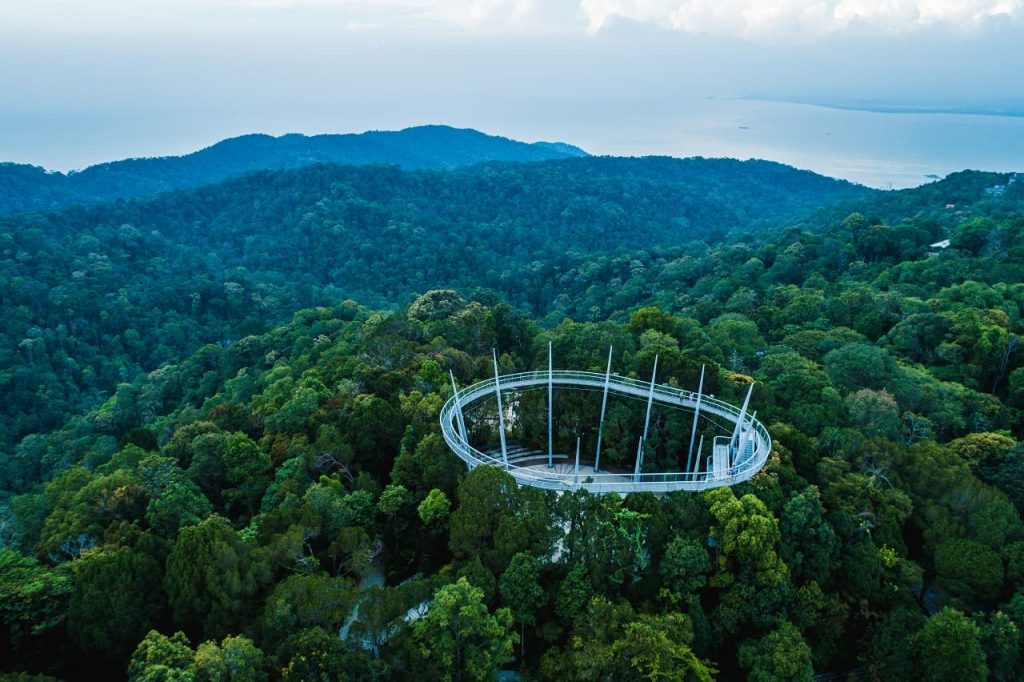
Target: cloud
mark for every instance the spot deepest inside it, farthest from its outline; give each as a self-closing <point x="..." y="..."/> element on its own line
<point x="764" y="19"/>
<point x="767" y="21"/>
<point x="760" y="20"/>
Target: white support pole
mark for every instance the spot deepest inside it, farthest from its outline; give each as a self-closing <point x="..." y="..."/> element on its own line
<point x="501" y="411"/>
<point x="639" y="458"/>
<point x="458" y="409"/>
<point x="604" y="406"/>
<point x="647" y="420"/>
<point x="576" y="474"/>
<point x="696" y="417"/>
<point x="745" y="432"/>
<point x="700" y="449"/>
<point x="739" y="422"/>
<point x="551" y="408"/>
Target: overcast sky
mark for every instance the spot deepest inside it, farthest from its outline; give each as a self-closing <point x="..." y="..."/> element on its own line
<point x="82" y="82"/>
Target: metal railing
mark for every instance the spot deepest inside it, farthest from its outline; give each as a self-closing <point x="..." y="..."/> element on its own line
<point x="751" y="461"/>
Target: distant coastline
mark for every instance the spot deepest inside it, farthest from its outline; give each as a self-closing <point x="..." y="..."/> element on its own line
<point x="1015" y="110"/>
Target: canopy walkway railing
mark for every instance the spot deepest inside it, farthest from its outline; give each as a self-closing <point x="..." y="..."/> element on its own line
<point x="755" y="443"/>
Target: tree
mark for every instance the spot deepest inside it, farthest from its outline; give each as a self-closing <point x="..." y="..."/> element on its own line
<point x="875" y="413"/>
<point x="33" y="597"/>
<point x="890" y="651"/>
<point x="652" y="317"/>
<point x="657" y="647"/>
<point x="480" y="576"/>
<point x="213" y="578"/>
<point x="159" y="658"/>
<point x="949" y="648"/>
<point x="306" y="601"/>
<point x="1001" y="639"/>
<point x="684" y="568"/>
<point x="459" y="638"/>
<point x="393" y="499"/>
<point x="609" y="642"/>
<point x="521" y="592"/>
<point x="594" y="629"/>
<point x="180" y="504"/>
<point x="858" y="365"/>
<point x="573" y="594"/>
<point x="235" y="659"/>
<point x="748" y="536"/>
<point x="1007" y="474"/>
<point x="246" y="470"/>
<point x="982" y="448"/>
<point x="313" y="654"/>
<point x="117" y="598"/>
<point x="782" y="654"/>
<point x="430" y="465"/>
<point x="809" y="545"/>
<point x="434" y="305"/>
<point x="84" y="504"/>
<point x="969" y="569"/>
<point x="434" y="508"/>
<point x="496" y="518"/>
<point x="821" y="617"/>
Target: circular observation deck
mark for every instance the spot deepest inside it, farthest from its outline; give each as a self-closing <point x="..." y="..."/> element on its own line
<point x="732" y="459"/>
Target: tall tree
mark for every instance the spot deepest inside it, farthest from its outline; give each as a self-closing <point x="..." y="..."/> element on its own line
<point x="117" y="598"/>
<point x="213" y="578"/>
<point x="949" y="648"/>
<point x="460" y="639"/>
<point x="521" y="592"/>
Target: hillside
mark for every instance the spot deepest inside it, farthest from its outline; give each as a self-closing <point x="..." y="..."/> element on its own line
<point x="82" y="290"/>
<point x="229" y="511"/>
<point x="29" y="188"/>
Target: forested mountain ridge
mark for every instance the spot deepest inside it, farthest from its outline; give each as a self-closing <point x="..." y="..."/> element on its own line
<point x="29" y="188"/>
<point x="943" y="201"/>
<point x="220" y="512"/>
<point x="91" y="296"/>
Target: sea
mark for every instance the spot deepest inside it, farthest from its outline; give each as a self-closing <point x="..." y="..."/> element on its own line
<point x="878" y="149"/>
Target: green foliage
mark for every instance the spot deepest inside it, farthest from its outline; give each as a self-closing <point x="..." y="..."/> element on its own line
<point x="306" y="601"/>
<point x="809" y="544"/>
<point x="609" y="641"/>
<point x="434" y="508"/>
<point x="1001" y="639"/>
<point x="33" y="597"/>
<point x="521" y="592"/>
<point x="212" y="578"/>
<point x="159" y="658"/>
<point x="235" y="659"/>
<point x="117" y="598"/>
<point x="179" y="505"/>
<point x="92" y="298"/>
<point x="459" y="638"/>
<point x="657" y="648"/>
<point x="780" y="655"/>
<point x="245" y="468"/>
<point x="949" y="648"/>
<point x="242" y="490"/>
<point x="313" y="654"/>
<point x="684" y="568"/>
<point x="573" y="594"/>
<point x="749" y="537"/>
<point x="969" y="569"/>
<point x="495" y="518"/>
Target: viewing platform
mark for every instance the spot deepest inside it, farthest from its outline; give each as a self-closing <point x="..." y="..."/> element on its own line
<point x="733" y="459"/>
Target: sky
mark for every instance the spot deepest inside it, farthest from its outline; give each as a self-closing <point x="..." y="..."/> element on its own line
<point x="84" y="82"/>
